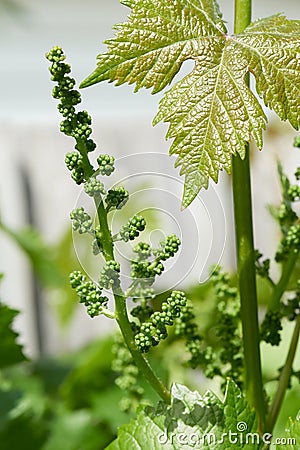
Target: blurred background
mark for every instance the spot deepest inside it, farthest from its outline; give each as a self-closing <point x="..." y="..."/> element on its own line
<point x="36" y="193"/>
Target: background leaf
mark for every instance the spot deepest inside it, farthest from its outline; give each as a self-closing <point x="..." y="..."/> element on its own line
<point x="39" y="253"/>
<point x="10" y="351"/>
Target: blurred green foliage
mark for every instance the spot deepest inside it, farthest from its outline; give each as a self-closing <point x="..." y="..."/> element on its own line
<point x="64" y="403"/>
<point x="72" y="402"/>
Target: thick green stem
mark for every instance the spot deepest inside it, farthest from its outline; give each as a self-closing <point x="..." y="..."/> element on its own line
<point x="87" y="166"/>
<point x="106" y="239"/>
<point x="245" y="257"/>
<point x="284" y="377"/>
<point x="247" y="284"/>
<point x="242" y="15"/>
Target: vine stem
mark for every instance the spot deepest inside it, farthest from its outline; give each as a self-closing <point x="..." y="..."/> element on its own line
<point x="246" y="256"/>
<point x="123" y="320"/>
<point x="281" y="286"/>
<point x="141" y="362"/>
<point x="122" y="315"/>
<point x="284" y="377"/>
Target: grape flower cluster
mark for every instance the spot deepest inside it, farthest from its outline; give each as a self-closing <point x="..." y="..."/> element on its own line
<point x="143" y="268"/>
<point x="288" y="218"/>
<point x="271" y="327"/>
<point x="288" y="249"/>
<point x="89" y="294"/>
<point x="94" y="187"/>
<point x="78" y="126"/>
<point x="116" y="198"/>
<point x="109" y="276"/>
<point x="222" y="355"/>
<point x="127" y="378"/>
<point x="227" y="359"/>
<point x="81" y="220"/>
<point x="153" y="330"/>
<point x="148" y="327"/>
<point x="106" y="164"/>
<point x="132" y="228"/>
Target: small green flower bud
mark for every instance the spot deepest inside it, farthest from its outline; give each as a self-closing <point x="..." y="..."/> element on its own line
<point x="56" y="54"/>
<point x="294" y="193"/>
<point x="143" y="250"/>
<point x="90" y="145"/>
<point x="94" y="187"/>
<point x="73" y="160"/>
<point x="81" y="221"/>
<point x="169" y="247"/>
<point x="106" y="164"/>
<point x="132" y="229"/>
<point x="116" y="198"/>
<point x="78" y="175"/>
<point x="76" y="278"/>
<point x="109" y="276"/>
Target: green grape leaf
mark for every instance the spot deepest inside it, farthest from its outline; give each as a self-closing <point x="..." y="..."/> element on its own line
<point x="192" y="422"/>
<point x="211" y="111"/>
<point x="291" y="439"/>
<point x="10" y="351"/>
<point x="158" y="37"/>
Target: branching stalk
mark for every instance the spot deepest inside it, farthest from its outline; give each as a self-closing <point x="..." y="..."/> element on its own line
<point x="281" y="286"/>
<point x="124" y="324"/>
<point x="120" y="299"/>
<point x="284" y="377"/>
<point x="246" y="259"/>
<point x="141" y="362"/>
